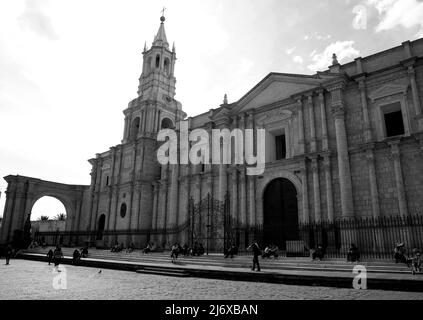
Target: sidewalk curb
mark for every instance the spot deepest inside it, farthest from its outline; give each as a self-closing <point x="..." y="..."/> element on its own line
<point x="250" y="276"/>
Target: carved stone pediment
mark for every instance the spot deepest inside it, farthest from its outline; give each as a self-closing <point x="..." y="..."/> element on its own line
<point x="388" y="90"/>
<point x="274" y="116"/>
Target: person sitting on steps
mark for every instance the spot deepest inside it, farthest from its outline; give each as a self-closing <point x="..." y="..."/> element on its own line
<point x="318" y="253"/>
<point x="353" y="254"/>
<point x="130" y="248"/>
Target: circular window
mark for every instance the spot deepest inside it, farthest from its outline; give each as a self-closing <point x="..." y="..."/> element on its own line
<point x="123" y="210"/>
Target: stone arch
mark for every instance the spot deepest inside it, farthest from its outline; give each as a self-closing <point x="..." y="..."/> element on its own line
<point x="23" y="192"/>
<point x="56" y="195"/>
<point x="263" y="181"/>
<point x="280" y="174"/>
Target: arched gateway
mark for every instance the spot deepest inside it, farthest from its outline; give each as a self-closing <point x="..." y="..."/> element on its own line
<point x="280" y="213"/>
<point x="22" y="192"/>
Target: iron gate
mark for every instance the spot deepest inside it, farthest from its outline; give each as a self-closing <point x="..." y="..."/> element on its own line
<point x="210" y="223"/>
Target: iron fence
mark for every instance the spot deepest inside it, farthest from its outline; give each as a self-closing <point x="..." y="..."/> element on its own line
<point x="375" y="237"/>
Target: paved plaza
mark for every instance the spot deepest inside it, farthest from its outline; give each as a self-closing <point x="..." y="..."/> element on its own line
<point x="35" y="280"/>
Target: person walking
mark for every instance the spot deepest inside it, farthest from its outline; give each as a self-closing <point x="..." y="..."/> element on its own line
<point x="57" y="256"/>
<point x="8" y="253"/>
<point x="50" y="256"/>
<point x="256" y="253"/>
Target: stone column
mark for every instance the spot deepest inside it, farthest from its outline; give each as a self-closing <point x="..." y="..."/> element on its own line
<point x="93" y="189"/>
<point x="129" y="211"/>
<point x="399" y="180"/>
<point x="126" y="129"/>
<point x="144" y="125"/>
<point x="365" y="109"/>
<point x="374" y="193"/>
<point x="173" y="200"/>
<point x="234" y="194"/>
<point x="325" y="142"/>
<point x="158" y="120"/>
<point x="184" y="204"/>
<point x="155" y="198"/>
<point x="301" y="140"/>
<point x="223" y="181"/>
<point x="6" y="228"/>
<point x="18" y="207"/>
<point x="110" y="186"/>
<point x="304" y="190"/>
<point x="137" y="207"/>
<point x="313" y="143"/>
<point x="141" y="129"/>
<point x="251" y="180"/>
<point x="329" y="191"/>
<point x="316" y="189"/>
<point x="154" y="122"/>
<point x="251" y="199"/>
<point x="162" y="213"/>
<point x="242" y="197"/>
<point x="415" y="92"/>
<point x="132" y="197"/>
<point x="338" y="111"/>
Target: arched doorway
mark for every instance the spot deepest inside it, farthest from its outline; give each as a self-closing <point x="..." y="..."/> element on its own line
<point x="100" y="227"/>
<point x="280" y="213"/>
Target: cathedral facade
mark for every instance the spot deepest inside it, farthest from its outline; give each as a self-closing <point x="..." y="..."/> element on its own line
<point x="343" y="143"/>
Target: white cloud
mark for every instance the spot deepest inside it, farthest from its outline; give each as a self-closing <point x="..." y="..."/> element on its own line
<point x="36" y="20"/>
<point x="290" y="50"/>
<point x="343" y="50"/>
<point x="393" y="13"/>
<point x="298" y="59"/>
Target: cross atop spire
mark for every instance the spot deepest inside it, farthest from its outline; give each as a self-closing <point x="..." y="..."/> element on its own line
<point x="163" y="11"/>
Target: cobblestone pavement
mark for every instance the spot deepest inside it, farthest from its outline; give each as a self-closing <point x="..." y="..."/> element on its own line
<point x="34" y="280"/>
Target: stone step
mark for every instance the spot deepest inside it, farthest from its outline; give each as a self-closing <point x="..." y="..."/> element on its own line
<point x="238" y="261"/>
<point x="163" y="272"/>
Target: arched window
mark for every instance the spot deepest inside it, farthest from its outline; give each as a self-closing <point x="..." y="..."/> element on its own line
<point x="157" y="61"/>
<point x="123" y="210"/>
<point x="107" y="180"/>
<point x="135" y="127"/>
<point x="166" y="66"/>
<point x="167" y="124"/>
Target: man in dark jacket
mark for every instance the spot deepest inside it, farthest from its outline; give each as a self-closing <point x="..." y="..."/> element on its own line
<point x="50" y="256"/>
<point x="8" y="253"/>
<point x="256" y="253"/>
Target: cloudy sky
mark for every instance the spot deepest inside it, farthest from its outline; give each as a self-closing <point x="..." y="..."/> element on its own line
<point x="69" y="67"/>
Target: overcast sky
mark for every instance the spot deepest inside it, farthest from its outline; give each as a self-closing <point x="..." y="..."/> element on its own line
<point x="68" y="68"/>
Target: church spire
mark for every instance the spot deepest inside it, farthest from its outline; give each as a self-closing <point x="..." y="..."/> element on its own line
<point x="160" y="39"/>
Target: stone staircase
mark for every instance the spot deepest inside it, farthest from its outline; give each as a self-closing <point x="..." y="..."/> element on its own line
<point x="217" y="260"/>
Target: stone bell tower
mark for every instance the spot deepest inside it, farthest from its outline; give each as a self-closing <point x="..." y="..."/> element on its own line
<point x="155" y="106"/>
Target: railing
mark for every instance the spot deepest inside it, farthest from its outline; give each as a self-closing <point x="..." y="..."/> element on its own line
<point x="375" y="238"/>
